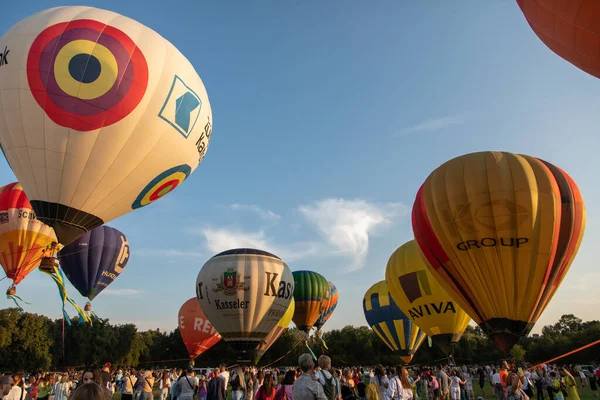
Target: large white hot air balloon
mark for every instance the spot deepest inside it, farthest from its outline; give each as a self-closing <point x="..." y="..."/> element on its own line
<point x="100" y="115"/>
<point x="244" y="293"/>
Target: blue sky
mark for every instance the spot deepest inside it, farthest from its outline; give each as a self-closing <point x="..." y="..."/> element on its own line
<point x="327" y="118"/>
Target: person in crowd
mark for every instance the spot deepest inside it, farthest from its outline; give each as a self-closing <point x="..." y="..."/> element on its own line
<point x="216" y="387"/>
<point x="238" y="384"/>
<point x="267" y="389"/>
<point x="325" y="377"/>
<point x="164" y="384"/>
<point x="481" y="378"/>
<point x="129" y="381"/>
<point x="285" y="390"/>
<point x="381" y="380"/>
<point x="88" y="391"/>
<point x="570" y="384"/>
<point x="455" y="383"/>
<point x="17" y="390"/>
<point x="224" y="375"/>
<point x="306" y="387"/>
<point x="147" y="385"/>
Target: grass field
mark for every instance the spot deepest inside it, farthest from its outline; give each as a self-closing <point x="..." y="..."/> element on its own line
<point x="584" y="394"/>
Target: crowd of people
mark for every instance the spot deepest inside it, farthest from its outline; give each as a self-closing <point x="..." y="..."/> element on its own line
<point x="310" y="380"/>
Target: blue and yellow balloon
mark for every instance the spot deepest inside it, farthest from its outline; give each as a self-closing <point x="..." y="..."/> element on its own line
<point x="392" y="326"/>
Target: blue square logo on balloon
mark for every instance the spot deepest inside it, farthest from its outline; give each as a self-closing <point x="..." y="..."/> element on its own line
<point x="181" y="108"/>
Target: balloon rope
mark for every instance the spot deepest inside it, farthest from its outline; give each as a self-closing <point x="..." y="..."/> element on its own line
<point x="311" y="352"/>
<point x="94" y="317"/>
<point x="63" y="340"/>
<point x="567" y="354"/>
<point x="289" y="351"/>
<point x="323" y="343"/>
<point x="59" y="279"/>
<point x="14" y="298"/>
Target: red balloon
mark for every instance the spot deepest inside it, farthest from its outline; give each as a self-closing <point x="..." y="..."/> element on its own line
<point x="570" y="28"/>
<point x="197" y="332"/>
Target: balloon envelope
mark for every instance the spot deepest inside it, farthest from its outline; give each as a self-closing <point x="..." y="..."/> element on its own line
<point x="330" y="306"/>
<point x="569" y="28"/>
<point x="499" y="232"/>
<point x="392" y="326"/>
<point x="244" y="293"/>
<point x="197" y="332"/>
<point x="421" y="297"/>
<point x="100" y="116"/>
<point x="93" y="261"/>
<point x="276" y="332"/>
<point x="311" y="293"/>
<point x="23" y="237"/>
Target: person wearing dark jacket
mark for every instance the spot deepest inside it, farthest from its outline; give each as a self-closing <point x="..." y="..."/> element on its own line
<point x="216" y="388"/>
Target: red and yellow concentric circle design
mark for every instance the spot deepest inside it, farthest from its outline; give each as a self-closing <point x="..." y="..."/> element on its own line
<point x="164" y="183"/>
<point x="86" y="74"/>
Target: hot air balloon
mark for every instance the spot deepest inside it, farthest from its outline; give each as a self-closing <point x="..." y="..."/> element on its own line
<point x="420" y="296"/>
<point x="24" y="239"/>
<point x="394" y="328"/>
<point x="275" y="333"/>
<point x="499" y="232"/>
<point x="570" y="29"/>
<point x="94" y="260"/>
<point x="100" y="116"/>
<point x="311" y="293"/>
<point x="197" y="332"/>
<point x="244" y="293"/>
<point x="330" y="305"/>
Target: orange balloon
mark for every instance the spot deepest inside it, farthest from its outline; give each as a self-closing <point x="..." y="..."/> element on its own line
<point x="570" y="28"/>
<point x="197" y="332"/>
<point x="24" y="239"/>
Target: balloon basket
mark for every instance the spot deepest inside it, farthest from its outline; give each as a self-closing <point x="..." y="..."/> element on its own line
<point x="49" y="264"/>
<point x="12" y="290"/>
<point x="88" y="306"/>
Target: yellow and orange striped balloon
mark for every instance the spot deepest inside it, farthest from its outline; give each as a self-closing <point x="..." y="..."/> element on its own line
<point x="23" y="238"/>
<point x="499" y="231"/>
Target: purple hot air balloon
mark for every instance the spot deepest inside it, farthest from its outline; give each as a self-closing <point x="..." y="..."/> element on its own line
<point x="93" y="261"/>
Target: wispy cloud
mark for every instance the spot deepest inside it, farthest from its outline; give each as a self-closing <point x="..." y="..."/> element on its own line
<point x="342" y="227"/>
<point x="169" y="253"/>
<point x="436" y="123"/>
<point x="346" y="225"/>
<point x="123" y="292"/>
<point x="262" y="213"/>
<point x="221" y="239"/>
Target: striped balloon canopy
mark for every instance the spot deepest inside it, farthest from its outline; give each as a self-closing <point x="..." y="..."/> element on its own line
<point x="392" y="326"/>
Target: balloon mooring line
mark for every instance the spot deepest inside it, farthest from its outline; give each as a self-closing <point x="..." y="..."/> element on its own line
<point x="289" y="351"/>
<point x="567" y="354"/>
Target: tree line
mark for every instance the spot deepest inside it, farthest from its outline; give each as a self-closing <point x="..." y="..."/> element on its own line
<point x="30" y="342"/>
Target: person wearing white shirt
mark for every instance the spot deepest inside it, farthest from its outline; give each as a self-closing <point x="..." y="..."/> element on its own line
<point x="224" y="375"/>
<point x="16" y="392"/>
<point x="399" y="387"/>
<point x="381" y="380"/>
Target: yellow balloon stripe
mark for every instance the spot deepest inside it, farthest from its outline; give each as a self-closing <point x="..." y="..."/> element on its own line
<point x="399" y="324"/>
<point x="386" y="336"/>
<point x="109" y="70"/>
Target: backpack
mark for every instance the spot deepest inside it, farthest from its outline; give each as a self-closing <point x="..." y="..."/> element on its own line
<point x="281" y="394"/>
<point x="236" y="382"/>
<point x="328" y="388"/>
